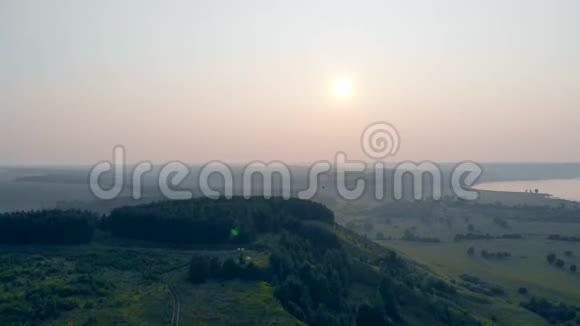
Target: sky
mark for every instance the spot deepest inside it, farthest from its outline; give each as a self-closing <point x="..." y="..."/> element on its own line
<point x="253" y="80"/>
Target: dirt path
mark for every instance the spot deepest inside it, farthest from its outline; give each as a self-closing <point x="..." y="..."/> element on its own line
<point x="176" y="305"/>
<point x="175" y="314"/>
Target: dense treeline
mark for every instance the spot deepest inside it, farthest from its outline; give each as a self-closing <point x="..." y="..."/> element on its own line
<point x="312" y="284"/>
<point x="204" y="267"/>
<point x="562" y="213"/>
<point x="480" y="236"/>
<point x="318" y="286"/>
<point x="554" y="313"/>
<point x="475" y="284"/>
<point x="495" y="255"/>
<point x="409" y="235"/>
<point x="558" y="237"/>
<point x="211" y="221"/>
<point x="47" y="226"/>
<point x="472" y="236"/>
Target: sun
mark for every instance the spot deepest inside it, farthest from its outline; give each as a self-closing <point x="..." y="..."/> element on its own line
<point x="342" y="88"/>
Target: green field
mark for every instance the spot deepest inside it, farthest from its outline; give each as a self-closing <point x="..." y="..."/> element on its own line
<point x="527" y="266"/>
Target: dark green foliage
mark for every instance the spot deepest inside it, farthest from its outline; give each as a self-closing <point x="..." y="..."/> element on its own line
<point x="231" y="269"/>
<point x="495" y="255"/>
<point x="307" y="278"/>
<point x="476" y="236"/>
<point x="560" y="263"/>
<point x="202" y="268"/>
<point x="252" y="272"/>
<point x="559" y="237"/>
<point x="470" y="251"/>
<point x="523" y="291"/>
<point x="512" y="236"/>
<point x="199" y="269"/>
<point x="437" y="286"/>
<point x="475" y="284"/>
<point x="215" y="267"/>
<point x="551" y="258"/>
<point x="554" y="313"/>
<point x="35" y="290"/>
<point x="368" y="314"/>
<point x="409" y="235"/>
<point x="211" y="221"/>
<point x="47" y="226"/>
<point x="501" y="223"/>
<point x="573" y="268"/>
<point x="472" y="236"/>
<point x="380" y="236"/>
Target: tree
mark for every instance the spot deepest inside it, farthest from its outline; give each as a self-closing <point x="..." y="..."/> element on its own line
<point x="536" y="191"/>
<point x="380" y="236"/>
<point x="368" y="227"/>
<point x="369" y="315"/>
<point x="523" y="291"/>
<point x="470" y="228"/>
<point x="252" y="272"/>
<point x="470" y="251"/>
<point x="215" y="267"/>
<point x="198" y="269"/>
<point x="573" y="268"/>
<point x="47" y="226"/>
<point x="560" y="263"/>
<point x="231" y="269"/>
<point x="551" y="258"/>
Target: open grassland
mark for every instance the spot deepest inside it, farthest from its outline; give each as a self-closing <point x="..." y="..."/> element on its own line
<point x="427" y="233"/>
<point x="526" y="268"/>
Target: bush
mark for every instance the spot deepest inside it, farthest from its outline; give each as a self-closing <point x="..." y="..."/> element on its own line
<point x="231" y="269"/>
<point x="470" y="251"/>
<point x="199" y="269"/>
<point x="380" y="236"/>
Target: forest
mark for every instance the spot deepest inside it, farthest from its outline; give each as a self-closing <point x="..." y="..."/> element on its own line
<point x="47" y="226"/>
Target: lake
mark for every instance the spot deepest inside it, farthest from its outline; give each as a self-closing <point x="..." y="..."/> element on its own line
<point x="561" y="188"/>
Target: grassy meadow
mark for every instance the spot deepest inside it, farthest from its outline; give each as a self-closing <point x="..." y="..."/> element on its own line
<point x="433" y="244"/>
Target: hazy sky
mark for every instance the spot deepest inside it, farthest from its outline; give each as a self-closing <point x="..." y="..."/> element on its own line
<point x="244" y="80"/>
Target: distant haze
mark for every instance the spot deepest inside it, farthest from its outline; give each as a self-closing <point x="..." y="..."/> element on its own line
<point x="244" y="80"/>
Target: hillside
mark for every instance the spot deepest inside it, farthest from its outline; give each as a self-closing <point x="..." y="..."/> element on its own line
<point x="297" y="266"/>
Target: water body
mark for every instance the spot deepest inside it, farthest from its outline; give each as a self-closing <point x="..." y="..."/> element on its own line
<point x="561" y="188"/>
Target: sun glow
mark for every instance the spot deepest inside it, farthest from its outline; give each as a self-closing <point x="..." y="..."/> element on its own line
<point x="342" y="88"/>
